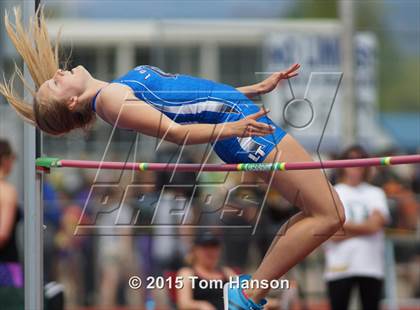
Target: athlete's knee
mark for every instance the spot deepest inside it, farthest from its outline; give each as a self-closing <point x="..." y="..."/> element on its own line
<point x="331" y="213"/>
<point x="335" y="216"/>
<point x="339" y="208"/>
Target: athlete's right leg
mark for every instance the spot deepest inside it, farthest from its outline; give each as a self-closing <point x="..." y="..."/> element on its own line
<point x="321" y="215"/>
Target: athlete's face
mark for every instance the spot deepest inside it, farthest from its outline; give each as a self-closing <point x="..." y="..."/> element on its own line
<point x="65" y="86"/>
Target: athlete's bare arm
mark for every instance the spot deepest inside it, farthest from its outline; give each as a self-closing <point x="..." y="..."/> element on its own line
<point x="117" y="106"/>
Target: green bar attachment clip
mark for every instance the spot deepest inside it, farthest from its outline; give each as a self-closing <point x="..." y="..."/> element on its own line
<point x="47" y="162"/>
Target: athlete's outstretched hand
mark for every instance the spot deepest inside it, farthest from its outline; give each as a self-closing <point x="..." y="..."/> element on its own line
<point x="249" y="126"/>
<point x="269" y="83"/>
<point x="273" y="80"/>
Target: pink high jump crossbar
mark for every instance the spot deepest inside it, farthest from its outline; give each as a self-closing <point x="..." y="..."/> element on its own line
<point x="47" y="163"/>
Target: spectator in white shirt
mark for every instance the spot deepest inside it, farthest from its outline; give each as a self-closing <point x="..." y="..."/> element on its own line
<point x="355" y="257"/>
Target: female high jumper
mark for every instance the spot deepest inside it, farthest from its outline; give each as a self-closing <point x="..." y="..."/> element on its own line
<point x="184" y="110"/>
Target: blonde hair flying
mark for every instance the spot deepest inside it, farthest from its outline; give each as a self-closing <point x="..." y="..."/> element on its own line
<point x="40" y="56"/>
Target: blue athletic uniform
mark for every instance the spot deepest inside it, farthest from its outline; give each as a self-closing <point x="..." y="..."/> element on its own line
<point x="187" y="99"/>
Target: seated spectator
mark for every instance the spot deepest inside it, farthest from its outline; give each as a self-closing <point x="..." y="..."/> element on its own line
<point x="204" y="259"/>
<point x="205" y="265"/>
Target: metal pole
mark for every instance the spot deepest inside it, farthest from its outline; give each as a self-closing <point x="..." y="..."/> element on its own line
<point x="2" y="62"/>
<point x="33" y="247"/>
<point x="346" y="13"/>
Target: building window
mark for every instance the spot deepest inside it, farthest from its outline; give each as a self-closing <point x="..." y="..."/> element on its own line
<point x="183" y="60"/>
<point x="99" y="61"/>
<point x="143" y="56"/>
<point x="239" y="64"/>
<point x="172" y="59"/>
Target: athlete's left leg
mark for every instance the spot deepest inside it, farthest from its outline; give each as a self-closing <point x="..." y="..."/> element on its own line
<point x="321" y="214"/>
